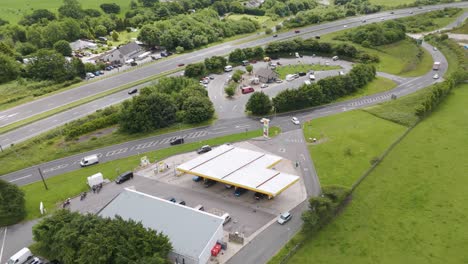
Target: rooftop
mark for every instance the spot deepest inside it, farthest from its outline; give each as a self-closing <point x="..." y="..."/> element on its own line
<point x="189" y="230"/>
<point x="241" y="167"/>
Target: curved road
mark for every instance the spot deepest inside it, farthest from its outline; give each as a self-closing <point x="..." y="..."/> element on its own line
<point x="47" y="103"/>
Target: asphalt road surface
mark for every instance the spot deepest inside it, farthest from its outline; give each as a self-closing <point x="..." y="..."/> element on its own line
<point x="50" y="102"/>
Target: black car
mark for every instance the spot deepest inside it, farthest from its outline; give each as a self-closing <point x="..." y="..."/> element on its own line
<point x="124" y="177"/>
<point x="275" y="35"/>
<point x="203" y="149"/>
<point x="239" y="191"/>
<point x="302" y="73"/>
<point x="259" y="196"/>
<point x="209" y="183"/>
<point x="132" y="91"/>
<point x="133" y="63"/>
<point x="317" y="37"/>
<point x="176" y="141"/>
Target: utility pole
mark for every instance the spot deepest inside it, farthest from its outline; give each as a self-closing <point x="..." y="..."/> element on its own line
<point x="42" y="177"/>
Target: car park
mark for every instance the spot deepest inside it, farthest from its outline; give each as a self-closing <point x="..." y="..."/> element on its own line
<point x="124" y="177"/>
<point x="204" y="149"/>
<point x="133" y="91"/>
<point x="284" y="218"/>
<point x="239" y="191"/>
<point x="295" y="121"/>
<point x="176" y="141"/>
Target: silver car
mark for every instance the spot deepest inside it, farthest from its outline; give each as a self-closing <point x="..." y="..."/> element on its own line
<point x="284" y="217"/>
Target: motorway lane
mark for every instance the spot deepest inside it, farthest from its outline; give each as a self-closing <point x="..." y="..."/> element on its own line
<point x="47" y="103"/>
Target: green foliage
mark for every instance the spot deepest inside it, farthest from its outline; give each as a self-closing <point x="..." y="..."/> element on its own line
<point x="101" y="119"/>
<point x="376" y="34"/>
<point x="259" y="104"/>
<point x="63" y="47"/>
<point x="9" y="68"/>
<point x="115" y="35"/>
<point x="249" y="68"/>
<point x="322" y="209"/>
<point x="324" y="91"/>
<point x="195" y="70"/>
<point x="179" y="49"/>
<point x="110" y="8"/>
<point x="76" y="238"/>
<point x="50" y="65"/>
<point x="197" y="109"/>
<point x="100" y="31"/>
<point x="71" y="8"/>
<point x="144" y="113"/>
<point x="230" y="90"/>
<point x="288" y="7"/>
<point x="268" y="31"/>
<point x="429" y="21"/>
<point x="215" y="64"/>
<point x="12" y="209"/>
<point x="38" y="16"/>
<point x="239" y="55"/>
<point x="237" y="75"/>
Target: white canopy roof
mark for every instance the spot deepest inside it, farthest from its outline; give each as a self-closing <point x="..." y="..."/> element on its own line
<point x="242" y="168"/>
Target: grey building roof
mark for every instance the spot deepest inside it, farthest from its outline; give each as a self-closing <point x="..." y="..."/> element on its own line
<point x="189" y="230"/>
<point x="266" y="73"/>
<point x="129" y="49"/>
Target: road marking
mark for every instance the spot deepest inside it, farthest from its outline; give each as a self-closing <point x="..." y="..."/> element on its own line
<point x="61" y="166"/>
<point x="3" y="244"/>
<point x="234" y="108"/>
<point x="27" y="176"/>
<point x="303" y="157"/>
<point x="117" y="151"/>
<point x="242" y="126"/>
<point x="1" y="117"/>
<point x="12" y="115"/>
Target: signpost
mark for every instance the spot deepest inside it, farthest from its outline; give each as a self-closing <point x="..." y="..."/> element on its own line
<point x="266" y="127"/>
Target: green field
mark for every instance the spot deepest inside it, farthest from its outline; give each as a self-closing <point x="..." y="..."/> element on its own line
<point x="290" y="69"/>
<point x="378" y="85"/>
<point x="73" y="183"/>
<point x="391" y="2"/>
<point x="347" y="143"/>
<point x="413" y="208"/>
<point x="14" y="10"/>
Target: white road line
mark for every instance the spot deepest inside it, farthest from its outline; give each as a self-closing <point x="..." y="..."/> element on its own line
<point x="12" y="115"/>
<point x="27" y="176"/>
<point x="3" y="244"/>
<point x="234" y="108"/>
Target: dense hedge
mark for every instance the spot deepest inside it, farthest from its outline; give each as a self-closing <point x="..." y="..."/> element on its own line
<point x="325" y="90"/>
<point x="376" y="34"/>
<point x="101" y="119"/>
<point x="309" y="46"/>
<point x="12" y="209"/>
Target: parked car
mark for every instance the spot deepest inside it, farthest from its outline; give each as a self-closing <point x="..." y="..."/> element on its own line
<point x="239" y="191"/>
<point x="312" y="76"/>
<point x="133" y="63"/>
<point x="295" y="121"/>
<point x="226" y="218"/>
<point x="259" y="196"/>
<point x="275" y="35"/>
<point x="197" y="178"/>
<point x="124" y="177"/>
<point x="172" y="199"/>
<point x="436" y="76"/>
<point x="228" y="186"/>
<point x="204" y="149"/>
<point x="176" y="141"/>
<point x="297" y="31"/>
<point x="97" y="73"/>
<point x="264" y="85"/>
<point x="301" y="73"/>
<point x="133" y="91"/>
<point x="181" y="202"/>
<point x="21" y="256"/>
<point x="89" y="75"/>
<point x="279" y="81"/>
<point x="284" y="217"/>
<point x="246" y="90"/>
<point x="108" y="68"/>
<point x="211" y="77"/>
<point x="317" y="37"/>
<point x="36" y="260"/>
<point x="209" y="183"/>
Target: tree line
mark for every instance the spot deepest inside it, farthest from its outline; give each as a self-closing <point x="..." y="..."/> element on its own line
<point x="71" y="237"/>
<point x="376" y="34"/>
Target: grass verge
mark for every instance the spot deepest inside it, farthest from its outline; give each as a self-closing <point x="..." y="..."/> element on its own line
<point x="24" y="154"/>
<point x="73" y="183"/>
<point x="290" y="69"/>
<point x="347" y="144"/>
<point x="80" y="102"/>
<point x="412" y="207"/>
<point x="380" y="84"/>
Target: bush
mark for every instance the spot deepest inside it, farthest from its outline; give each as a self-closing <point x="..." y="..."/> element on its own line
<point x="259" y="104"/>
<point x="12" y="208"/>
<point x="230" y="90"/>
<point x="195" y="70"/>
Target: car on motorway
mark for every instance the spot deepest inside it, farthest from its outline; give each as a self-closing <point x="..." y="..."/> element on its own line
<point x="345" y="26"/>
<point x="382" y="18"/>
<point x="364" y="21"/>
<point x="133" y="91"/>
<point x="204" y="149"/>
<point x="239" y="191"/>
<point x="297" y="31"/>
<point x="124" y="177"/>
<point x="295" y="121"/>
<point x="317" y="37"/>
<point x="264" y="85"/>
<point x="284" y="218"/>
<point x="275" y="35"/>
<point x="176" y="141"/>
<point x="89" y="160"/>
<point x="180" y="64"/>
<point x="411" y="12"/>
<point x="436" y="76"/>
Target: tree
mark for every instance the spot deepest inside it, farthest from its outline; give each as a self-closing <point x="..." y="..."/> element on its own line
<point x="3" y="22"/>
<point x="12" y="205"/>
<point x="63" y="47"/>
<point x="268" y="31"/>
<point x="198" y="109"/>
<point x="49" y="65"/>
<point x="52" y="33"/>
<point x="179" y="49"/>
<point x="195" y="70"/>
<point x="249" y="68"/>
<point x="215" y="64"/>
<point x="38" y="15"/>
<point x="237" y="56"/>
<point x="147" y="112"/>
<point x="148" y="3"/>
<point x="100" y="31"/>
<point x="9" y="68"/>
<point x="71" y="8"/>
<point x="150" y="35"/>
<point x="230" y="90"/>
<point x="259" y="104"/>
<point x="71" y="237"/>
<point x="115" y="35"/>
<point x="110" y="8"/>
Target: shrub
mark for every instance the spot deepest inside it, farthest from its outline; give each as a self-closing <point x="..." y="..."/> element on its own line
<point x="12" y="208"/>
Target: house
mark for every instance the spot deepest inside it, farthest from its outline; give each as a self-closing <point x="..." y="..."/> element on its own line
<point x="82" y="45"/>
<point x="266" y="75"/>
<point x="122" y="53"/>
<point x="192" y="233"/>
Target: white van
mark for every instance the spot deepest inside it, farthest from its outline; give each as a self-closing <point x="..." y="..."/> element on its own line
<point x="226" y="218"/>
<point x="21" y="256"/>
<point x="228" y="68"/>
<point x="89" y="160"/>
<point x="297" y="55"/>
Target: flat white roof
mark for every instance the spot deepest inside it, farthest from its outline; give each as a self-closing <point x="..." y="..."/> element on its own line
<point x="241" y="167"/>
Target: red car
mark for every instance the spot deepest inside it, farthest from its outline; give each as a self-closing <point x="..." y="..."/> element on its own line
<point x="246" y="90"/>
<point x="297" y="31"/>
<point x="180" y="64"/>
